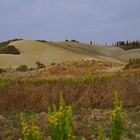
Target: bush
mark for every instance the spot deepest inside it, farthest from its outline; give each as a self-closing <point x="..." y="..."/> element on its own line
<point x="9" y="49"/>
<point x="40" y="65"/>
<point x="60" y="122"/>
<point x="23" y="68"/>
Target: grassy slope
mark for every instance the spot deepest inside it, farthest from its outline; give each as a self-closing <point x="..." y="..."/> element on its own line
<point x="102" y="53"/>
<point x="134" y="53"/>
<point x="50" y="52"/>
<point x="32" y="51"/>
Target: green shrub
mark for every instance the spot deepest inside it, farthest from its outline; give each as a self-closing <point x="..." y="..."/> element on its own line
<point x="60" y="122"/>
<point x="40" y="65"/>
<point x="22" y="68"/>
<point x="117" y="120"/>
<point x="9" y="49"/>
<point x="30" y="131"/>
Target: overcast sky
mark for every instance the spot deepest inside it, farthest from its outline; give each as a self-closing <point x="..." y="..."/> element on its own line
<point x="98" y="20"/>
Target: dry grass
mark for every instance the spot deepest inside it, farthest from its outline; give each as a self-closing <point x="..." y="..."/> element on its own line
<point x="83" y="83"/>
<point x="78" y="68"/>
<point x="96" y="91"/>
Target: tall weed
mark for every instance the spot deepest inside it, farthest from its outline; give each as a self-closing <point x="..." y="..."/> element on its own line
<point x="60" y="122"/>
<point x="117" y="120"/>
<point x="30" y="130"/>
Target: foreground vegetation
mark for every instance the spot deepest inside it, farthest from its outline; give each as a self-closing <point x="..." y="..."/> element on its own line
<point x="89" y="91"/>
<point x="91" y="98"/>
<point x="61" y="125"/>
<point x="87" y="110"/>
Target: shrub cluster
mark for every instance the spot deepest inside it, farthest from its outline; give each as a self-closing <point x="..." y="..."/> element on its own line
<point x="5" y="48"/>
<point x="22" y="68"/>
<point x="9" y="49"/>
<point x="40" y="65"/>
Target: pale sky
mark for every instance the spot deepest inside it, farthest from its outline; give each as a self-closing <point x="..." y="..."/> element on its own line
<point x="84" y="20"/>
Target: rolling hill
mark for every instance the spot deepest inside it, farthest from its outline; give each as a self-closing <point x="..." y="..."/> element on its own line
<point x="57" y="52"/>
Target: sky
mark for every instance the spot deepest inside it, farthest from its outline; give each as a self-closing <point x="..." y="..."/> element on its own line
<point x="56" y="20"/>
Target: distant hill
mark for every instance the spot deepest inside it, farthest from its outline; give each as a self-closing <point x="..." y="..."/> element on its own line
<point x="57" y="52"/>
